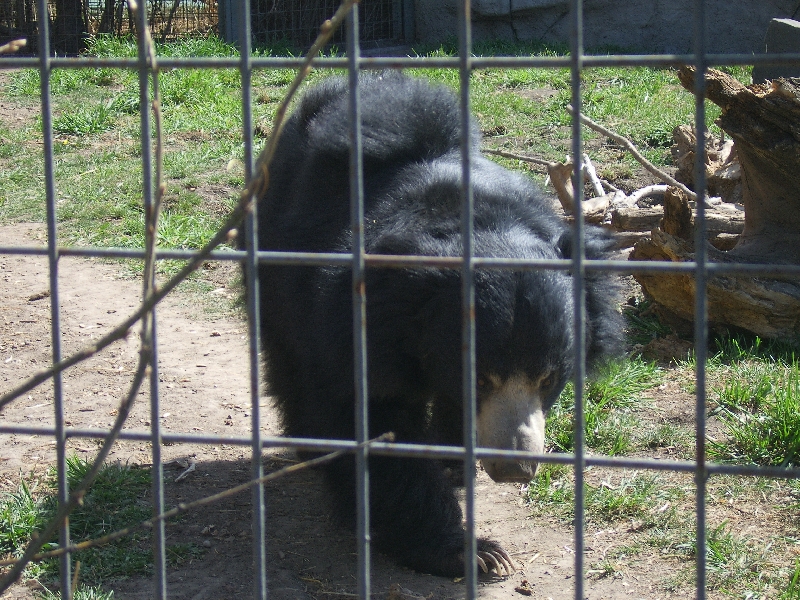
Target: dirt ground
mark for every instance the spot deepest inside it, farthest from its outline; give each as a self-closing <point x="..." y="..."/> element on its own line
<point x="204" y="388"/>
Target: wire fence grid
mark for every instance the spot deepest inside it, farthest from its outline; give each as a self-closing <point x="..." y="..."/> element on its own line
<point x="465" y="64"/>
<point x="296" y="24"/>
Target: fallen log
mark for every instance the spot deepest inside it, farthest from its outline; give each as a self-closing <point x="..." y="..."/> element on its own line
<point x="767" y="307"/>
<point x="764" y="122"/>
<point x="719" y="219"/>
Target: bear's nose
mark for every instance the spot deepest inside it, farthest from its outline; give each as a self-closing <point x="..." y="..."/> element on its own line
<point x="508" y="471"/>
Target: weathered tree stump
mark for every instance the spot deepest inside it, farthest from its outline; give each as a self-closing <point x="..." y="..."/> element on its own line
<point x="764" y="122"/>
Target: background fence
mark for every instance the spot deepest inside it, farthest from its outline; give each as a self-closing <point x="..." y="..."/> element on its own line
<point x="288" y="23"/>
<point x="284" y="19"/>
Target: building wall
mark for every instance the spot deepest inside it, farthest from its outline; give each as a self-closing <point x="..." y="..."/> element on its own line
<point x="647" y="26"/>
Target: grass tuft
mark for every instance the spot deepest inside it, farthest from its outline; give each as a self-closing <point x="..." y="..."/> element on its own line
<point x="760" y="412"/>
<point x="610" y="397"/>
<point x="119" y="497"/>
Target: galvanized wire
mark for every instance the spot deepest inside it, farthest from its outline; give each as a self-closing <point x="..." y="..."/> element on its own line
<point x="55" y="303"/>
<point x="468" y="375"/>
<point x="578" y="291"/>
<point x="577" y="62"/>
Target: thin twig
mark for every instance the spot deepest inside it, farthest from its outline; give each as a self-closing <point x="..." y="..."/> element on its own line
<point x="152" y="295"/>
<point x="628" y="145"/>
<point x="146" y="343"/>
<point x="522" y="157"/>
<point x="13" y="46"/>
<point x="256" y="189"/>
<point x="187" y="506"/>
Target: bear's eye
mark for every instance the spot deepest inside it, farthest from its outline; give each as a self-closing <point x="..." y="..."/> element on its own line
<point x="548" y="382"/>
<point x="482" y="383"/>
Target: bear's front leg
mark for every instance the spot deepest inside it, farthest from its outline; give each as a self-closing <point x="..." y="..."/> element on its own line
<point x="415" y="516"/>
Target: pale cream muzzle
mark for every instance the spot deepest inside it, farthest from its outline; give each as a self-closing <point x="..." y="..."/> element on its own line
<point x="511" y="418"/>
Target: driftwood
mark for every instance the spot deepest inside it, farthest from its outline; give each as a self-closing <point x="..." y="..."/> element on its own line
<point x="764" y="122"/>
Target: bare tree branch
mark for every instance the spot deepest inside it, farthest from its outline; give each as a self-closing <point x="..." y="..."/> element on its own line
<point x="255" y="189"/>
<point x="146" y="342"/>
<point x="628" y="145"/>
<point x="152" y="294"/>
<point x="522" y="157"/>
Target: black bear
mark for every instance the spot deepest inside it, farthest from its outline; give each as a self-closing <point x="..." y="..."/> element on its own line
<point x="524" y="318"/>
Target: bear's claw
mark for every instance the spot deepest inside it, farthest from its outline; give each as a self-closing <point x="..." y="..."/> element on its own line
<point x="497" y="559"/>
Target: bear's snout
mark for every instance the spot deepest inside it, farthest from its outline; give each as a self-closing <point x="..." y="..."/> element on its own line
<point x="510" y="471"/>
<point x="511" y="418"/>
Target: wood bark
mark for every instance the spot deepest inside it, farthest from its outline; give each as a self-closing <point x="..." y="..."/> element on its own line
<point x="764" y="121"/>
<point x="718" y="220"/>
<point x="767" y="307"/>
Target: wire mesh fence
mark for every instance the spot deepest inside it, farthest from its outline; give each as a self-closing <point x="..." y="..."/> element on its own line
<point x="296" y="24"/>
<point x="466" y="64"/>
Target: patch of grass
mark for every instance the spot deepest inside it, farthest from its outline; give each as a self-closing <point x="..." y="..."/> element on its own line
<point x="761" y="417"/>
<point x="610" y="396"/>
<point x="178" y="554"/>
<point x="640" y="498"/>
<point x="643" y="324"/>
<point x="552" y="490"/>
<point x="85" y="120"/>
<point x="666" y="435"/>
<point x="21" y="515"/>
<point x="792" y="591"/>
<point x="118" y="498"/>
<point x="757" y="399"/>
<point x="632" y="498"/>
<point x="83" y="592"/>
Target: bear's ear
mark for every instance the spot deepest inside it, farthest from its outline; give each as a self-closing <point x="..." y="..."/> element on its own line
<point x="564" y="244"/>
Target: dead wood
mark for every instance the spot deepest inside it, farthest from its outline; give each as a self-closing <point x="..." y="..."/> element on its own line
<point x="719" y="219"/>
<point x="764" y="122"/>
<point x="722" y="169"/>
<point x="768" y="308"/>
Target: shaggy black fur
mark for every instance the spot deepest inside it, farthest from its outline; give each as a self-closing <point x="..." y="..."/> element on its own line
<point x="412" y="175"/>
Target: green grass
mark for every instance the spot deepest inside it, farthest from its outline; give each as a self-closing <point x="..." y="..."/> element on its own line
<point x="639" y="497"/>
<point x="793" y="590"/>
<point x="82" y="593"/>
<point x="757" y="400"/>
<point x="120" y="497"/>
<point x="610" y="398"/>
<point x="21" y="514"/>
<point x="96" y="123"/>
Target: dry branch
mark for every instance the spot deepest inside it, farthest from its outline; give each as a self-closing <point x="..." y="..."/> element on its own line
<point x="152" y="295"/>
<point x="628" y="145"/>
<point x="255" y="189"/>
<point x="146" y="342"/>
